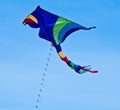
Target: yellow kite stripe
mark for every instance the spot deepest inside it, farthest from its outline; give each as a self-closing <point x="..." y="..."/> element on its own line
<point x="32" y="18"/>
<point x="61" y="55"/>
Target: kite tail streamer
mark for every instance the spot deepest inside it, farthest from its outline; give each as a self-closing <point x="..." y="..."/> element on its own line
<point x="79" y="69"/>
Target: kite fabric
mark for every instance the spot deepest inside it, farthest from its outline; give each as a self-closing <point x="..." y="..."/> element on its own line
<point x="56" y="29"/>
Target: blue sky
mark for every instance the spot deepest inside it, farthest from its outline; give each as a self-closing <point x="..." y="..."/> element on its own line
<point x="23" y="57"/>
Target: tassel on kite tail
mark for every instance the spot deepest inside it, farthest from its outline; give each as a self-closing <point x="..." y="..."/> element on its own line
<point x="79" y="69"/>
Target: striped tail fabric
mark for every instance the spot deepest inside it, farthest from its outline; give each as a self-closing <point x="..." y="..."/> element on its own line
<point x="77" y="68"/>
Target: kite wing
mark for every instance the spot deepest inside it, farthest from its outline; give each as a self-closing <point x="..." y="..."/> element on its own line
<point x="55" y="29"/>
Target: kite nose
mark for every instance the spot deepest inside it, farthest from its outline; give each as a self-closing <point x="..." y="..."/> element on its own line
<point x="30" y="19"/>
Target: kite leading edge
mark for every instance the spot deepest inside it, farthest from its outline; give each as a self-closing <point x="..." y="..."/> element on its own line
<point x="56" y="29"/>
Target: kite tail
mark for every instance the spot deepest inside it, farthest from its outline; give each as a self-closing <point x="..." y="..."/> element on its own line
<point x="79" y="69"/>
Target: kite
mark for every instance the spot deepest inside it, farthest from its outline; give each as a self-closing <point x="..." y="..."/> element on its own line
<point x="56" y="29"/>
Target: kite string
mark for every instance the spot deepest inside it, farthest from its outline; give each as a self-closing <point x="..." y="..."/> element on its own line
<point x="43" y="80"/>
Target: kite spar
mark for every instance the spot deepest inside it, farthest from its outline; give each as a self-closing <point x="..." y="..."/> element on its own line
<point x="56" y="29"/>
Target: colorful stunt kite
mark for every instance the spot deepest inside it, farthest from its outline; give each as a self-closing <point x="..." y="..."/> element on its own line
<point x="56" y="29"/>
